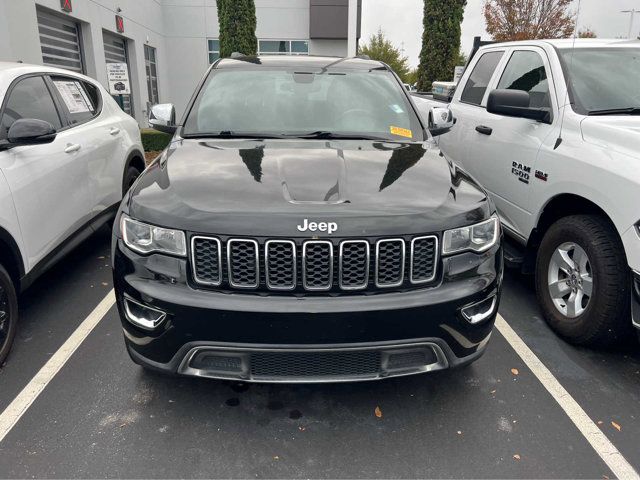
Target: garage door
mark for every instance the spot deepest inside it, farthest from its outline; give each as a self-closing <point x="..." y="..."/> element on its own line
<point x="115" y="51"/>
<point x="60" y="42"/>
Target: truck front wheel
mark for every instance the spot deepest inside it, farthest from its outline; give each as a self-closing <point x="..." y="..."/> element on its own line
<point x="583" y="281"/>
<point x="8" y="313"/>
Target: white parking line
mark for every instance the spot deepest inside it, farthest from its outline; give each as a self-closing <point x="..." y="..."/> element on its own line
<point x="34" y="388"/>
<point x="598" y="440"/>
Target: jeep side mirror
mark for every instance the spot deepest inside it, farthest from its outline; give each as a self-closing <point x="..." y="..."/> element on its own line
<point x="440" y="120"/>
<point x="30" y="131"/>
<point x="515" y="103"/>
<point x="162" y="117"/>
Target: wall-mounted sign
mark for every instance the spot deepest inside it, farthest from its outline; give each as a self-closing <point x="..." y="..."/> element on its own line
<point x="119" y="24"/>
<point x="118" y="78"/>
<point x="65" y="5"/>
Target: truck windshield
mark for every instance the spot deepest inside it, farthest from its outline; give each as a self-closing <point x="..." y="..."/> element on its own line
<point x="604" y="80"/>
<point x="278" y="103"/>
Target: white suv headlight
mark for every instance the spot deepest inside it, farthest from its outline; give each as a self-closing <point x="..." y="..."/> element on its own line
<point x="477" y="238"/>
<point x="145" y="238"/>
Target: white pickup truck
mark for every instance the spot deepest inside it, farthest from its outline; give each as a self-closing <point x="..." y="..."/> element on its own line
<point x="551" y="129"/>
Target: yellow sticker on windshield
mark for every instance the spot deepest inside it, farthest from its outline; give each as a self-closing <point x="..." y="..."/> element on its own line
<point x="403" y="132"/>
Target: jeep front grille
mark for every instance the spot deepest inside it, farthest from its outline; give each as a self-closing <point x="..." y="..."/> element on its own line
<point x="348" y="265"/>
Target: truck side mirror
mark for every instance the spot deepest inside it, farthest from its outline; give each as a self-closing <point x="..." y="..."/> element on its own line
<point x="162" y="117"/>
<point x="440" y="120"/>
<point x="515" y="103"/>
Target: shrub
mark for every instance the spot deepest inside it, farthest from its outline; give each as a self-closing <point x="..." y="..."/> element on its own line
<point x="154" y="141"/>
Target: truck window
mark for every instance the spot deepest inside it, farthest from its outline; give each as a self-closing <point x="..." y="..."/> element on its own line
<point x="525" y="71"/>
<point x="603" y="78"/>
<point x="480" y="77"/>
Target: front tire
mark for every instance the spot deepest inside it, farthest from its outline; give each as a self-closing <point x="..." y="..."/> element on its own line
<point x="8" y="314"/>
<point x="130" y="176"/>
<point x="583" y="282"/>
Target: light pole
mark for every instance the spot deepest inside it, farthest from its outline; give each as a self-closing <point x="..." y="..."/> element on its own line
<point x="633" y="13"/>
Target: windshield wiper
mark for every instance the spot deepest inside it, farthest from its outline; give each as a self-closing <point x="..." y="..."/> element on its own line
<point x="616" y="111"/>
<point x="232" y="134"/>
<point x="326" y="135"/>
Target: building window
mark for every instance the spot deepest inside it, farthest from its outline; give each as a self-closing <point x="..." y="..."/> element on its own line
<point x="283" y="47"/>
<point x="214" y="49"/>
<point x="60" y="42"/>
<point x="152" y="73"/>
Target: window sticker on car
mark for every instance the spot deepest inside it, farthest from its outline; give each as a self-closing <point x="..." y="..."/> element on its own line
<point x="72" y="95"/>
<point x="396" y="108"/>
<point x="403" y="132"/>
<point x="85" y="96"/>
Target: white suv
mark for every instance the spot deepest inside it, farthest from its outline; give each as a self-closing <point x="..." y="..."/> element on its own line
<point x="67" y="154"/>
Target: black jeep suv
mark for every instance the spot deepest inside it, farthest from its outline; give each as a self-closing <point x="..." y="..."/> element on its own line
<point x="302" y="226"/>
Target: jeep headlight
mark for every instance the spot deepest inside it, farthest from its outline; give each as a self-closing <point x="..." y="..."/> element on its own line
<point x="145" y="238"/>
<point x="476" y="238"/>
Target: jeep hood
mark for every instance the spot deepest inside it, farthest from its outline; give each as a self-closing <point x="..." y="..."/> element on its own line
<point x="268" y="187"/>
<point x="620" y="133"/>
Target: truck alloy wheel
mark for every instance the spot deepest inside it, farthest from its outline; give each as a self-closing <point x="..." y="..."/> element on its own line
<point x="570" y="279"/>
<point x="583" y="282"/>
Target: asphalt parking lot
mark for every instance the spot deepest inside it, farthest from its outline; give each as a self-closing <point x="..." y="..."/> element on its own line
<point x="102" y="416"/>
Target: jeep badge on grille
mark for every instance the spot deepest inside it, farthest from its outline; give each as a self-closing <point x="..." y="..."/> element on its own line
<point x="328" y="227"/>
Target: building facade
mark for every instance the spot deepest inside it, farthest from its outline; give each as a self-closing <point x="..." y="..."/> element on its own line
<point x="166" y="44"/>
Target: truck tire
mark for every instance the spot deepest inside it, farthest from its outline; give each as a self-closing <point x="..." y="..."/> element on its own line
<point x="583" y="281"/>
<point x="8" y="314"/>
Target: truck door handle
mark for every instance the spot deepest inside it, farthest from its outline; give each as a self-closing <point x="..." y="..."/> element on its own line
<point x="72" y="147"/>
<point x="484" y="130"/>
<point x="114" y="131"/>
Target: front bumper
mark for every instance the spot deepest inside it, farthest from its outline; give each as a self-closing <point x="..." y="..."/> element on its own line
<point x="271" y="338"/>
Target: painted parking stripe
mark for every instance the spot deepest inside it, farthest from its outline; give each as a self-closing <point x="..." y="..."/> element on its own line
<point x="34" y="388"/>
<point x="598" y="440"/>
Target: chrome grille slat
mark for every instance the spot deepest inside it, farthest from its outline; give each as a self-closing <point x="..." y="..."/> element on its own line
<point x="274" y="264"/>
<point x="280" y="264"/>
<point x="243" y="263"/>
<point x="206" y="260"/>
<point x="424" y="252"/>
<point x="390" y="258"/>
<point x="354" y="264"/>
<point x="317" y="265"/>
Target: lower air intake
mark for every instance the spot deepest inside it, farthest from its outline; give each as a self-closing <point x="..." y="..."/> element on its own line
<point x="274" y="365"/>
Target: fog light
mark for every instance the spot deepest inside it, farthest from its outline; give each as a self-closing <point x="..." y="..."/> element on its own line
<point x="142" y="315"/>
<point x="480" y="311"/>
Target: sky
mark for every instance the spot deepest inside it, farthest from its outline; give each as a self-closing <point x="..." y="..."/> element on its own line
<point x="401" y="20"/>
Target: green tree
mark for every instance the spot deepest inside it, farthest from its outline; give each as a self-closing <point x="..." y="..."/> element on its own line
<point x="440" y="41"/>
<point x="381" y="49"/>
<point x="462" y="58"/>
<point x="237" y="21"/>
<point x="412" y="77"/>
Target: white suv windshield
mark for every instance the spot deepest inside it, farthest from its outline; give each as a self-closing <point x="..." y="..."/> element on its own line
<point x="603" y="79"/>
<point x="354" y="104"/>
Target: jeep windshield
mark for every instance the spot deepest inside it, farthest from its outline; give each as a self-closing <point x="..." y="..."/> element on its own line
<point x="272" y="103"/>
<point x="604" y="81"/>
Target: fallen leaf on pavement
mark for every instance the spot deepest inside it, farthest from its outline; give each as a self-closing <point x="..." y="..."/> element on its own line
<point x="515" y="371"/>
<point x="616" y="426"/>
<point x="378" y="412"/>
<point x="516" y="457"/>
